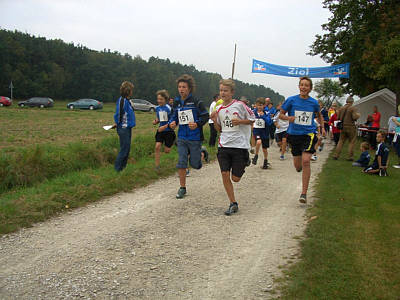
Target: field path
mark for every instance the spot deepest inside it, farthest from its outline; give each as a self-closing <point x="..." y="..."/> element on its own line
<point x="149" y="245"/>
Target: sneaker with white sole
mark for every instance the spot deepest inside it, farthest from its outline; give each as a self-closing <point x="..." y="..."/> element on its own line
<point x="282" y="157"/>
<point x="303" y="198"/>
<point x="233" y="208"/>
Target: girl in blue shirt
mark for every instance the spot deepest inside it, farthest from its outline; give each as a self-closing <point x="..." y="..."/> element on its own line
<point x="302" y="129"/>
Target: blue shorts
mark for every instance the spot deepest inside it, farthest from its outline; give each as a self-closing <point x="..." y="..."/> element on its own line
<point x="189" y="150"/>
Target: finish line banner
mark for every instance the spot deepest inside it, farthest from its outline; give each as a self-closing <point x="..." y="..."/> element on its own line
<point x="336" y="71"/>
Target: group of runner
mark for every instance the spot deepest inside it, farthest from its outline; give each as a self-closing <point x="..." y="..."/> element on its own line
<point x="295" y="123"/>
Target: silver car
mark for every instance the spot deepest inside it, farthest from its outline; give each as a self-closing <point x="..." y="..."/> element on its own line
<point x="143" y="105"/>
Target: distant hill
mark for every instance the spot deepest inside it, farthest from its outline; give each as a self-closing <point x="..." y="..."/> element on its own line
<point x="41" y="67"/>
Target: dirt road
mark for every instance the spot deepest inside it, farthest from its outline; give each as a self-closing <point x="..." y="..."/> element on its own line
<point x="147" y="244"/>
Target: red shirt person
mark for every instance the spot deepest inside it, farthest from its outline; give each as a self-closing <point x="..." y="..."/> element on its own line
<point x="376" y="116"/>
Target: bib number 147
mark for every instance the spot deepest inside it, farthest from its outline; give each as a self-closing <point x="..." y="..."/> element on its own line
<point x="303" y="117"/>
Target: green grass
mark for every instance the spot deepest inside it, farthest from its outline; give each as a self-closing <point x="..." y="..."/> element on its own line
<point x="24" y="127"/>
<point x="352" y="250"/>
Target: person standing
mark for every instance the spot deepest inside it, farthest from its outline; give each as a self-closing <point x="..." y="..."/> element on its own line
<point x="125" y="120"/>
<point x="376" y="125"/>
<point x="302" y="130"/>
<point x="191" y="115"/>
<point x="348" y="115"/>
<point x="396" y="138"/>
<point x="213" y="132"/>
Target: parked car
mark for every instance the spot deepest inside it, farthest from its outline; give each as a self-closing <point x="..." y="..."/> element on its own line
<point x="85" y="104"/>
<point x="5" y="101"/>
<point x="143" y="105"/>
<point x="37" y="101"/>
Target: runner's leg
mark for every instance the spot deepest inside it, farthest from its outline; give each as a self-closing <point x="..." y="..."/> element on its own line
<point x="305" y="158"/>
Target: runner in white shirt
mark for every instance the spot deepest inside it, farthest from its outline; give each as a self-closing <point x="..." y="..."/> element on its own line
<point x="233" y="119"/>
<point x="213" y="132"/>
<point x="281" y="131"/>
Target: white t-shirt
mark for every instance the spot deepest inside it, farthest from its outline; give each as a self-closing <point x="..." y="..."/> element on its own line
<point x="212" y="106"/>
<point x="283" y="124"/>
<point x="234" y="136"/>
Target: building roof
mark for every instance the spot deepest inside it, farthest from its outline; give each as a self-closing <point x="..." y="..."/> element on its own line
<point x="385" y="94"/>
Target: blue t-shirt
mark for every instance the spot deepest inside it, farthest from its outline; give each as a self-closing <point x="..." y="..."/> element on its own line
<point x="164" y="114"/>
<point x="304" y="111"/>
<point x="262" y="132"/>
<point x="364" y="159"/>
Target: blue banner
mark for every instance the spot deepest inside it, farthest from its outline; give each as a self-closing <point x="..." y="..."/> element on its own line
<point x="338" y="71"/>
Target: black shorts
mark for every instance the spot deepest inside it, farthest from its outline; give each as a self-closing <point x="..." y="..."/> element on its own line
<point x="264" y="142"/>
<point x="166" y="137"/>
<point x="280" y="135"/>
<point x="302" y="143"/>
<point x="233" y="159"/>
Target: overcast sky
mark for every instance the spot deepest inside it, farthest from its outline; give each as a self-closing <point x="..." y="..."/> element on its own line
<point x="201" y="32"/>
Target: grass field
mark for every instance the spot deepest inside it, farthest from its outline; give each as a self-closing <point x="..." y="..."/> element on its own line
<point x="352" y="248"/>
<point x="55" y="158"/>
<point x="22" y="127"/>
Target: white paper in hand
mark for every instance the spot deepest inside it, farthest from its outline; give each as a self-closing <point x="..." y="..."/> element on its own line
<point x="107" y="127"/>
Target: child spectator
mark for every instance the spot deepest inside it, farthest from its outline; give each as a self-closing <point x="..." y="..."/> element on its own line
<point x="261" y="131"/>
<point x="335" y="131"/>
<point x="379" y="165"/>
<point x="165" y="135"/>
<point x="364" y="159"/>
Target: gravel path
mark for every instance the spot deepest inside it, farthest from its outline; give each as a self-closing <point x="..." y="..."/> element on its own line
<point x="149" y="245"/>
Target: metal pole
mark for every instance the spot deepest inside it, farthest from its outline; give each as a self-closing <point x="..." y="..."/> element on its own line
<point x="11" y="88"/>
<point x="234" y="61"/>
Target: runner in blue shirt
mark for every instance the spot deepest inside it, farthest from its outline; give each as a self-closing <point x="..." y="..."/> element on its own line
<point x="165" y="135"/>
<point x="302" y="129"/>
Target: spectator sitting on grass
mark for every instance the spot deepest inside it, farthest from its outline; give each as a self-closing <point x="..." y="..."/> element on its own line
<point x="379" y="166"/>
<point x="364" y="159"/>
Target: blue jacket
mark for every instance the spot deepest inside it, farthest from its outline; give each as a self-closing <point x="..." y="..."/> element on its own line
<point x="262" y="132"/>
<point x="364" y="159"/>
<point x="124" y="115"/>
<point x="200" y="115"/>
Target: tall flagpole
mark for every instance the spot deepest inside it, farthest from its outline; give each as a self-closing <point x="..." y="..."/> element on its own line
<point x="234" y="61"/>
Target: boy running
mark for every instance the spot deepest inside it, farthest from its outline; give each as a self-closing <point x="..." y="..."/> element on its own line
<point x="281" y="131"/>
<point x="165" y="135"/>
<point x="191" y="115"/>
<point x="233" y="119"/>
<point x="302" y="128"/>
<point x="261" y="131"/>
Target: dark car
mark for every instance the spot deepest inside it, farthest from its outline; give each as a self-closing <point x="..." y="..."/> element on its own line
<point x="85" y="104"/>
<point x="37" y="102"/>
<point x="5" y="101"/>
<point x="143" y="105"/>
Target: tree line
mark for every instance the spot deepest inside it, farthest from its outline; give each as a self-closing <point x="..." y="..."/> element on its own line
<point x="52" y="68"/>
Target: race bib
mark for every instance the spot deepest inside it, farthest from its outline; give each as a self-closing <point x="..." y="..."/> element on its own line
<point x="226" y="123"/>
<point x="163" y="116"/>
<point x="259" y="123"/>
<point x="303" y="117"/>
<point x="185" y="116"/>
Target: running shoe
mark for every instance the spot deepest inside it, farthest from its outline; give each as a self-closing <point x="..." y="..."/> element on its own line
<point x="314" y="157"/>
<point x="181" y="193"/>
<point x="255" y="158"/>
<point x="282" y="157"/>
<point x="321" y="147"/>
<point x="396" y="166"/>
<point x="266" y="165"/>
<point x="303" y="198"/>
<point x="233" y="208"/>
<point x="252" y="150"/>
<point x="187" y="173"/>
